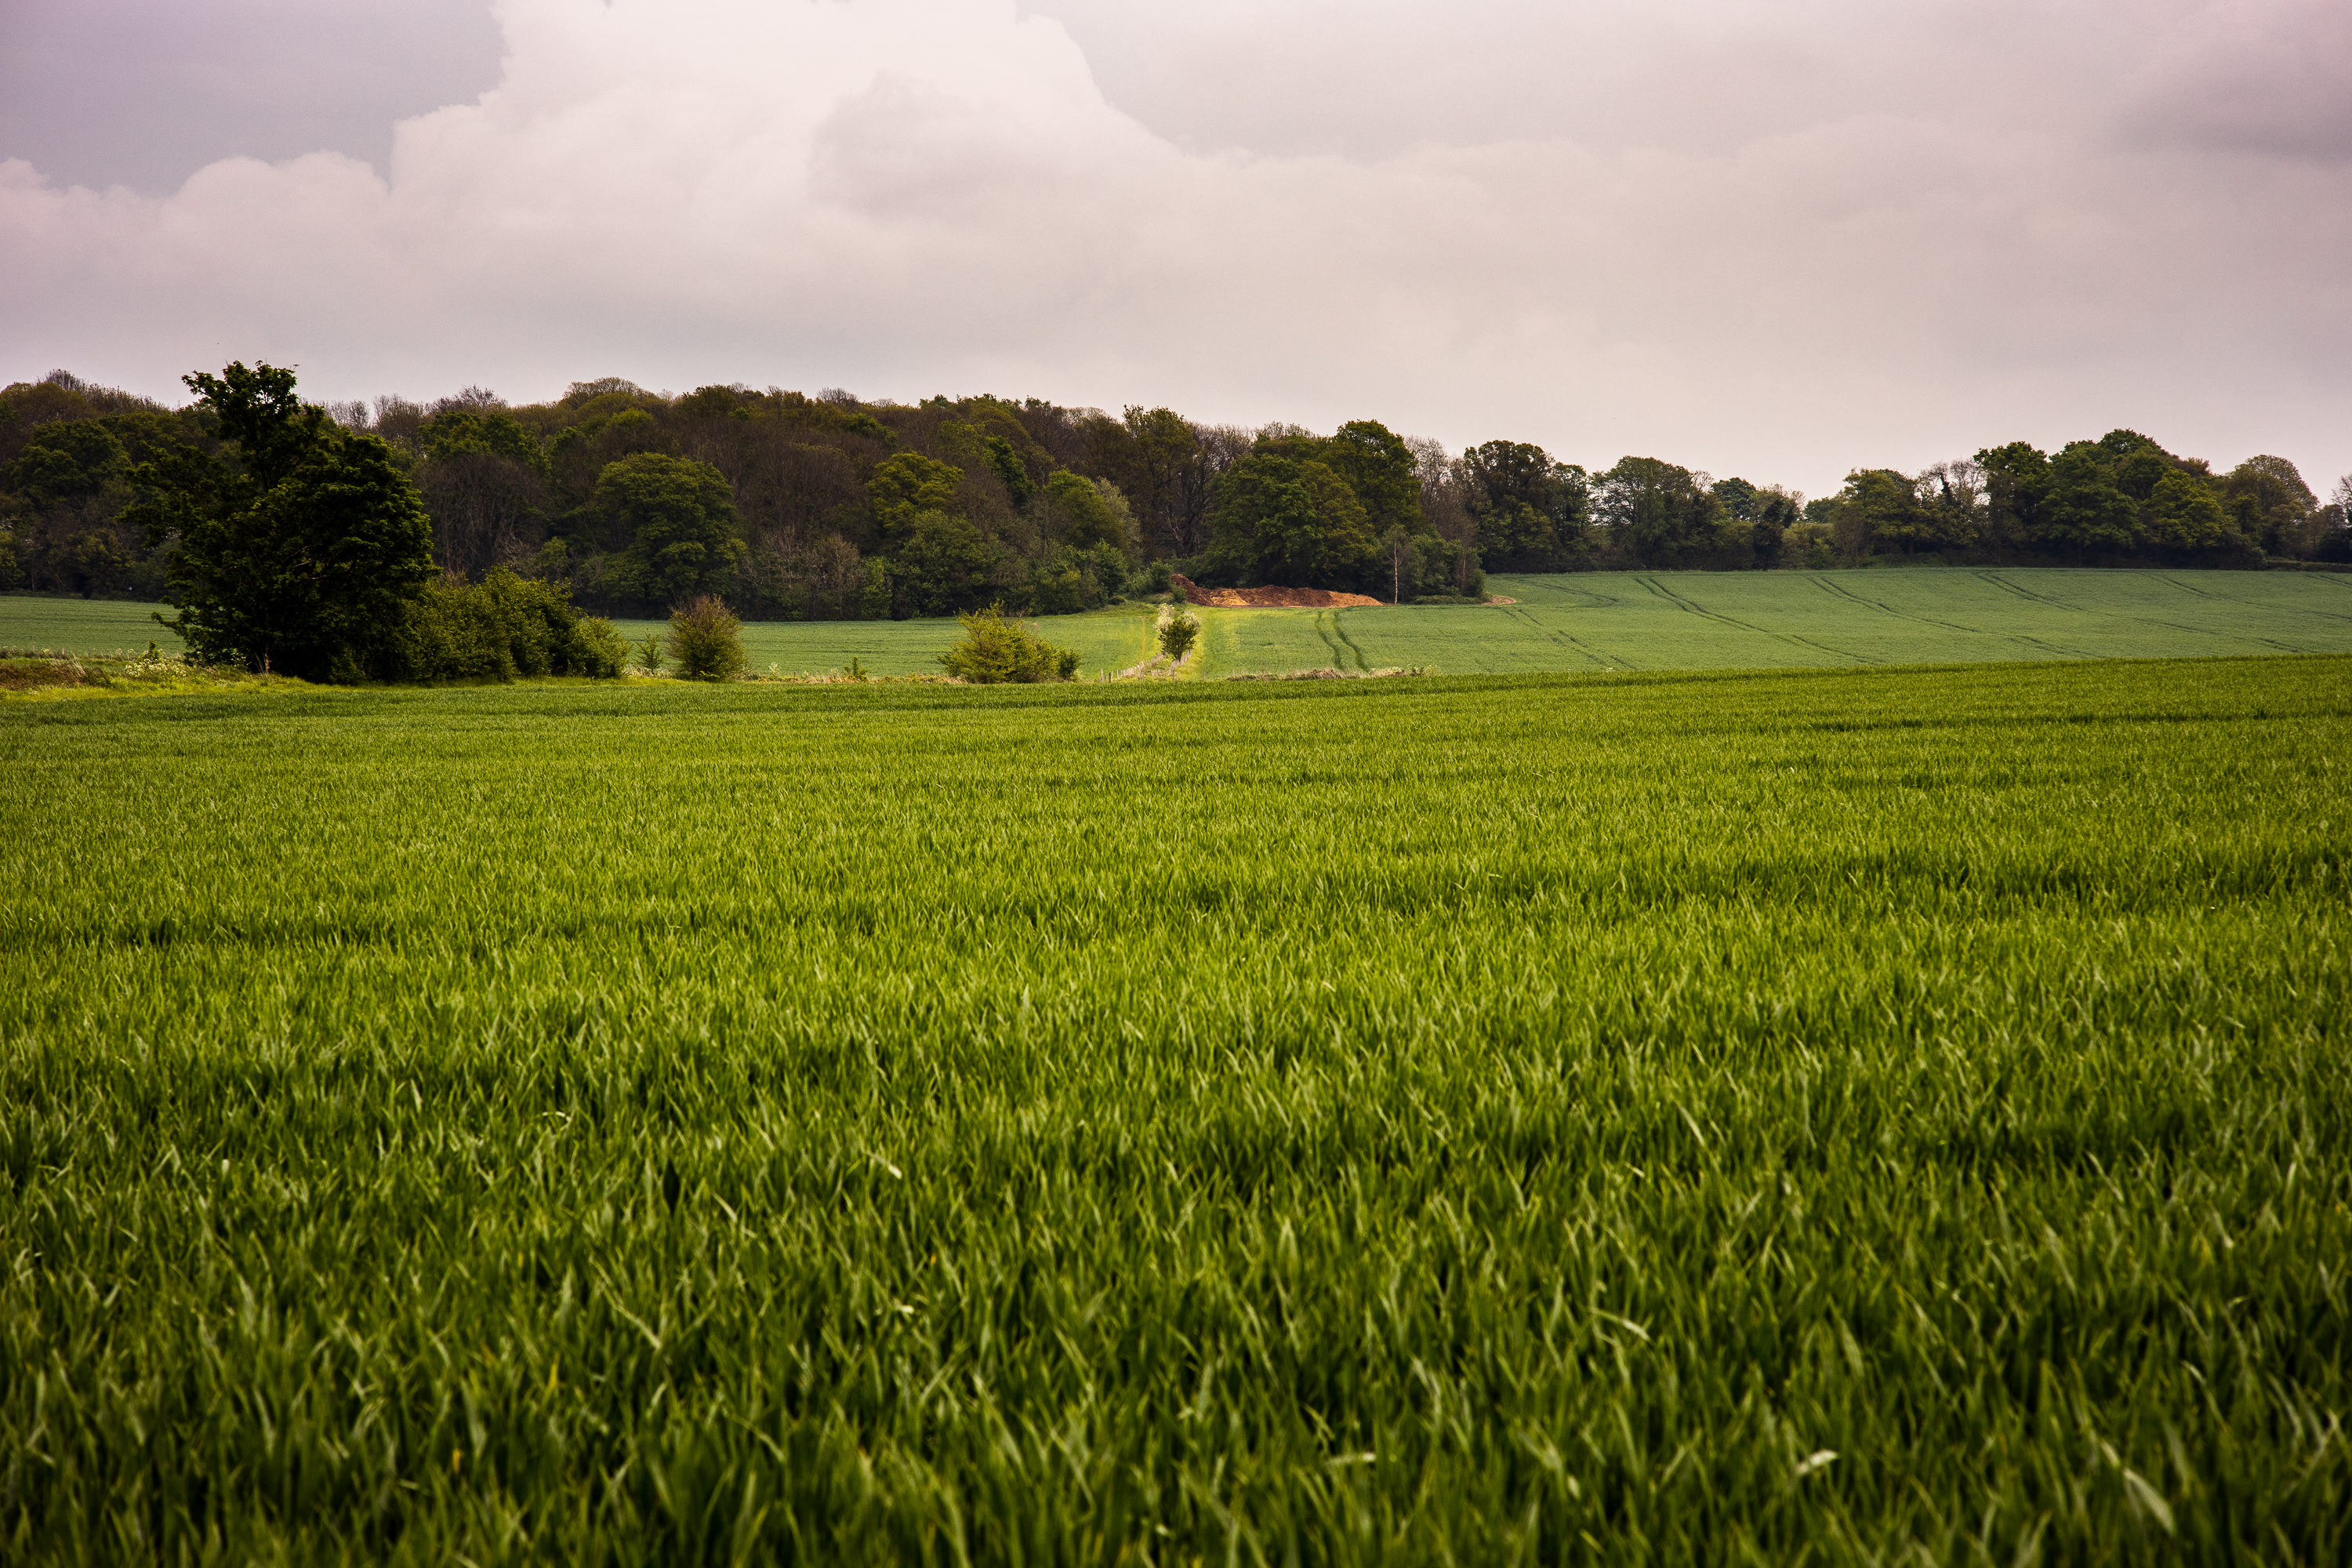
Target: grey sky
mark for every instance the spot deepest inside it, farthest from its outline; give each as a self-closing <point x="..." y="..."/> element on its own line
<point x="1778" y="238"/>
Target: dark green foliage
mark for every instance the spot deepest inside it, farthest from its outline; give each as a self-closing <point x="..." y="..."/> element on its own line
<point x="942" y="566"/>
<point x="706" y="638"/>
<point x="1382" y="471"/>
<point x="1531" y="513"/>
<point x="2267" y="500"/>
<point x="678" y="516"/>
<point x="1768" y="512"/>
<point x="1290" y="523"/>
<point x="504" y="627"/>
<point x="995" y="651"/>
<point x="489" y="431"/>
<point x="305" y="556"/>
<point x="2085" y="511"/>
<point x="1079" y="514"/>
<point x="1659" y="515"/>
<point x="1006" y="464"/>
<point x="66" y="460"/>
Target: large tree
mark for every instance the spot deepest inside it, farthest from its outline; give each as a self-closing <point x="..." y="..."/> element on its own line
<point x="1661" y="514"/>
<point x="678" y="517"/>
<point x="1292" y="525"/>
<point x="305" y="553"/>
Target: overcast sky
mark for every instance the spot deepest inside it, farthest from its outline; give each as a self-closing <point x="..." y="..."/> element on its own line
<point x="1773" y="238"/>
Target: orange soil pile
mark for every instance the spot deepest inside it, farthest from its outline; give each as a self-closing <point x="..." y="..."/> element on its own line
<point x="1267" y="598"/>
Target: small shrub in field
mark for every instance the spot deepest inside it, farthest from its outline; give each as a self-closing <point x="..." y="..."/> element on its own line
<point x="596" y="648"/>
<point x="995" y="651"/>
<point x="1178" y="633"/>
<point x="649" y="654"/>
<point x="703" y="638"/>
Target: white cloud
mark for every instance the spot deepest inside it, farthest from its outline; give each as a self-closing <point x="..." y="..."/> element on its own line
<point x="1886" y="261"/>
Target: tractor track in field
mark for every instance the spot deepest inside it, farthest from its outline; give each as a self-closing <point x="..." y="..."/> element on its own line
<point x="1997" y="581"/>
<point x="2142" y="620"/>
<point x="1695" y="607"/>
<point x="1569" y="641"/>
<point x="1840" y="591"/>
<point x="1330" y="642"/>
<point x="1341" y="631"/>
<point x="2234" y="599"/>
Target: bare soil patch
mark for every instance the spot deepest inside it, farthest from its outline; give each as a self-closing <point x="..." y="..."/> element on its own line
<point x="1268" y="599"/>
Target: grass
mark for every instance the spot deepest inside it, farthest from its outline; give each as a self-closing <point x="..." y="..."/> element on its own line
<point x="1849" y="1116"/>
<point x="1586" y="622"/>
<point x="1106" y="640"/>
<point x="119" y="628"/>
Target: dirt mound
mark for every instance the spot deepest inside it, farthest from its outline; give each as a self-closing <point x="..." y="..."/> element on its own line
<point x="1267" y="598"/>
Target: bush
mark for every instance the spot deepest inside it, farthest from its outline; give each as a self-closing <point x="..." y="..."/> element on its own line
<point x="703" y="639"/>
<point x="501" y="628"/>
<point x="1178" y="633"/>
<point x="995" y="651"/>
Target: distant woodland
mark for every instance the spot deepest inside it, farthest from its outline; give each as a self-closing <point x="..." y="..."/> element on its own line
<point x="827" y="507"/>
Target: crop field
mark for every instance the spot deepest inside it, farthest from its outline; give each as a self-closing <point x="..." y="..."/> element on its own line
<point x="1583" y="622"/>
<point x="1856" y="1116"/>
<point x="89" y="626"/>
<point x="1108" y="639"/>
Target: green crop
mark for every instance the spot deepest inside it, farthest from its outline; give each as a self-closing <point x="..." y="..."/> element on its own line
<point x="1585" y="622"/>
<point x="1844" y="1116"/>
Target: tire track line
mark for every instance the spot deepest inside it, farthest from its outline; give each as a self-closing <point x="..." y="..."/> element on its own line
<point x="1695" y="607"/>
<point x="1566" y="640"/>
<point x="2152" y="621"/>
<point x="2232" y="599"/>
<point x="1340" y="629"/>
<point x="1840" y="591"/>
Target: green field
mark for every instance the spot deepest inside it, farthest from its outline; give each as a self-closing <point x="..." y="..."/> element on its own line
<point x="1590" y="621"/>
<point x="1854" y="1116"/>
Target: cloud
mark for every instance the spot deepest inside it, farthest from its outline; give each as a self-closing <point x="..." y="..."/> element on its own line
<point x="2265" y="77"/>
<point x="907" y="196"/>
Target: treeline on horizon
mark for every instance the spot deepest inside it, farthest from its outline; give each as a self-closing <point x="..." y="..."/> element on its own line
<point x="830" y="508"/>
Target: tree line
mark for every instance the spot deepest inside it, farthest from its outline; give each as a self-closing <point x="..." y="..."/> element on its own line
<point x="793" y="506"/>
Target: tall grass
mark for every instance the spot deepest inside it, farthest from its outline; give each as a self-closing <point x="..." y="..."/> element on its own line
<point x="1843" y="1116"/>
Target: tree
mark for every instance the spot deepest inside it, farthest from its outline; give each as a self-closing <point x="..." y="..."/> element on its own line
<point x="2017" y="481"/>
<point x="1380" y="469"/>
<point x="1530" y="512"/>
<point x="1404" y="559"/>
<point x="2268" y="498"/>
<point x="1767" y="511"/>
<point x="307" y="555"/>
<point x="1296" y="525"/>
<point x="679" y="518"/>
<point x="1886" y="506"/>
<point x="2085" y="511"/>
<point x="1178" y="633"/>
<point x="1083" y="513"/>
<point x="942" y="566"/>
<point x="904" y="487"/>
<point x="1662" y="516"/>
<point x="2184" y="518"/>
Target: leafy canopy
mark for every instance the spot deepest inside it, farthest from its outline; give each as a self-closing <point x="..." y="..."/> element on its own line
<point x="304" y="555"/>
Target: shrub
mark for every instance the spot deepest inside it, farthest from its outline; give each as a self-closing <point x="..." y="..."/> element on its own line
<point x="995" y="651"/>
<point x="597" y="649"/>
<point x="703" y="639"/>
<point x="649" y="654"/>
<point x="501" y="628"/>
<point x="1178" y="633"/>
